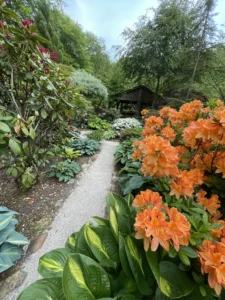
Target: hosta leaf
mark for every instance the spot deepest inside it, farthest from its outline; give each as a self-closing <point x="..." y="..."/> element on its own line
<point x="17" y="238"/>
<point x="81" y="245"/>
<point x="12" y="251"/>
<point x="84" y="279"/>
<point x="5" y="219"/>
<point x="71" y="241"/>
<point x="103" y="245"/>
<point x="44" y="289"/>
<point x="113" y="223"/>
<point x="173" y="282"/>
<point x="5" y="262"/>
<point x="136" y="265"/>
<point x="101" y="221"/>
<point x="5" y="233"/>
<point x="123" y="257"/>
<point x="51" y="264"/>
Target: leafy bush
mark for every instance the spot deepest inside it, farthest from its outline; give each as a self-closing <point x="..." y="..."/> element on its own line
<point x="109" y="134"/>
<point x="121" y="124"/>
<point x="98" y="123"/>
<point x="64" y="170"/>
<point x="129" y="133"/>
<point x="10" y="240"/>
<point x="35" y="95"/>
<point x="124" y="152"/>
<point x="69" y="153"/>
<point x="86" y="146"/>
<point x="109" y="114"/>
<point x="96" y="135"/>
<point x="91" y="86"/>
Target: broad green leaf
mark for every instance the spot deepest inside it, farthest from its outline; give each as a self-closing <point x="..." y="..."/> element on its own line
<point x="136" y="182"/>
<point x="51" y="264"/>
<point x="5" y="262"/>
<point x="12" y="251"/>
<point x="71" y="241"/>
<point x="4" y="127"/>
<point x="44" y="289"/>
<point x="123" y="257"/>
<point x="84" y="279"/>
<point x="4" y="233"/>
<point x="173" y="282"/>
<point x="189" y="251"/>
<point x="15" y="147"/>
<point x="136" y="265"/>
<point x="101" y="221"/>
<point x="81" y="245"/>
<point x="103" y="245"/>
<point x="17" y="238"/>
<point x="129" y="297"/>
<point x="118" y="203"/>
<point x="113" y="223"/>
<point x="5" y="219"/>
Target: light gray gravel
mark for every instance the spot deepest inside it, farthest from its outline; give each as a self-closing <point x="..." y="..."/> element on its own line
<point x="88" y="199"/>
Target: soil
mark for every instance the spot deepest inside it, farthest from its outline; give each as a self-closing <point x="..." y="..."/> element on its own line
<point x="39" y="205"/>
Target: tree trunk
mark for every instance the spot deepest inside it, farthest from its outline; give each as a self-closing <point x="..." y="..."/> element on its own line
<point x="156" y="92"/>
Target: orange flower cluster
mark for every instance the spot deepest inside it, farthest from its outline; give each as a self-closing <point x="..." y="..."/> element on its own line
<point x="185" y="182"/>
<point x="212" y="258"/>
<point x="160" y="225"/>
<point x="159" y="158"/>
<point x="168" y="133"/>
<point x="147" y="198"/>
<point x="211" y="205"/>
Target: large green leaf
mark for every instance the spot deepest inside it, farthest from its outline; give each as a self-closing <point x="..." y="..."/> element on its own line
<point x="5" y="233"/>
<point x="173" y="282"/>
<point x="15" y="147"/>
<point x="4" y="127"/>
<point x="12" y="251"/>
<point x="52" y="263"/>
<point x="195" y="295"/>
<point x="113" y="223"/>
<point x="5" y="262"/>
<point x="123" y="257"/>
<point x="118" y="203"/>
<point x="84" y="279"/>
<point x="71" y="242"/>
<point x="136" y="265"/>
<point x="44" y="289"/>
<point x="103" y="245"/>
<point x="17" y="238"/>
<point x="101" y="221"/>
<point x="81" y="245"/>
<point x="5" y="219"/>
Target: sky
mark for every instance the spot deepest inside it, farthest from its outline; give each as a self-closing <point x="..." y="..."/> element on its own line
<point x="108" y="18"/>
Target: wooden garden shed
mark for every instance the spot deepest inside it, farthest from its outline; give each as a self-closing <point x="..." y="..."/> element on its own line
<point x="139" y="96"/>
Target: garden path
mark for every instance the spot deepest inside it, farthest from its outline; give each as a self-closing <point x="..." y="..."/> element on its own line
<point x="88" y="199"/>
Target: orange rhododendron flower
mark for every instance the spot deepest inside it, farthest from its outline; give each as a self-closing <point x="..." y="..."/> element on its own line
<point x="190" y="110"/>
<point x="219" y="233"/>
<point x="219" y="163"/>
<point x="164" y="112"/>
<point x="212" y="258"/>
<point x="168" y="133"/>
<point x="153" y="121"/>
<point x="159" y="157"/>
<point x="148" y="131"/>
<point x="185" y="182"/>
<point x="144" y="112"/>
<point x="148" y="197"/>
<point x="211" y="205"/>
<point x="163" y="228"/>
<point x="202" y="161"/>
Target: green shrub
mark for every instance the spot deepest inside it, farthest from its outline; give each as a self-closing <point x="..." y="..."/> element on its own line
<point x="129" y="133"/>
<point x="96" y="135"/>
<point x="69" y="153"/>
<point x="86" y="146"/>
<point x="123" y="123"/>
<point x="64" y="170"/>
<point x="109" y="134"/>
<point x="9" y="239"/>
<point x="98" y="123"/>
<point x="124" y="152"/>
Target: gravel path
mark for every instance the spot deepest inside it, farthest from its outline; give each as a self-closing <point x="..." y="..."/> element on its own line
<point x="88" y="199"/>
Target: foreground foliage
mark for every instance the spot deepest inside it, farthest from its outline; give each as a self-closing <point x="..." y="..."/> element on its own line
<point x="85" y="146"/>
<point x="10" y="240"/>
<point x="65" y="170"/>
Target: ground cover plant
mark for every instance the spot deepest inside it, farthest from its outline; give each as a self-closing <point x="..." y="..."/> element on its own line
<point x="85" y="146"/>
<point x="64" y="170"/>
<point x="98" y="123"/>
<point x="121" y="124"/>
<point x="96" y="135"/>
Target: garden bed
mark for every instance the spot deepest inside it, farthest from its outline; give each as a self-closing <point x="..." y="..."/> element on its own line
<point x="37" y="206"/>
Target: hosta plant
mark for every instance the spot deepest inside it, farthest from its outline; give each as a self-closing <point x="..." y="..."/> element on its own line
<point x="65" y="170"/>
<point x="124" y="152"/>
<point x="96" y="135"/>
<point x="86" y="146"/>
<point x="10" y="240"/>
<point x="70" y="153"/>
<point x="109" y="134"/>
